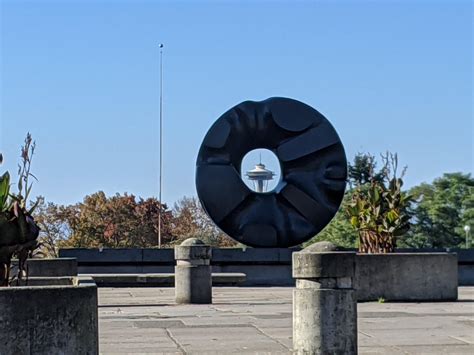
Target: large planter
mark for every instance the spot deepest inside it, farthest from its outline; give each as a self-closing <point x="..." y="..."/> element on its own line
<point x="49" y="319"/>
<point x="407" y="277"/>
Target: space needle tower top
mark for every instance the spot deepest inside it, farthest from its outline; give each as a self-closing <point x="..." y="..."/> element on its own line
<point x="260" y="177"/>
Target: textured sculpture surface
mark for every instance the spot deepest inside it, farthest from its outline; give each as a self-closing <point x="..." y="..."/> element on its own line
<point x="313" y="172"/>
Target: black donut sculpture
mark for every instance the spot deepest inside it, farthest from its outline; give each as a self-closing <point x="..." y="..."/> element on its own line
<point x="313" y="173"/>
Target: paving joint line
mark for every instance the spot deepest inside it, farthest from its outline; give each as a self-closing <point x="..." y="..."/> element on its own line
<point x="459" y="339"/>
<point x="361" y="332"/>
<point x="406" y="352"/>
<point x="268" y="336"/>
<point x="175" y="341"/>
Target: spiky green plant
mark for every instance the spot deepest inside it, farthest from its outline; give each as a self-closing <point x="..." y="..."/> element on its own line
<point x="18" y="230"/>
<point x="379" y="210"/>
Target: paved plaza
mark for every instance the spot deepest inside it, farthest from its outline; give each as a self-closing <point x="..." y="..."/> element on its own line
<point x="259" y="321"/>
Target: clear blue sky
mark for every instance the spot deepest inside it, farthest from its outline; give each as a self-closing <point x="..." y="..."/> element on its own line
<point x="82" y="77"/>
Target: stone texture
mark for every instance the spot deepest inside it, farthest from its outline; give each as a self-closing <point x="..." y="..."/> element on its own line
<point x="263" y="316"/>
<point x="193" y="273"/>
<point x="320" y="247"/>
<point x="407" y="277"/>
<point x="159" y="280"/>
<point x="47" y="320"/>
<point x="324" y="321"/>
<point x="324" y="303"/>
<point x="50" y="267"/>
<point x="48" y="281"/>
<point x="193" y="249"/>
<point x="307" y="265"/>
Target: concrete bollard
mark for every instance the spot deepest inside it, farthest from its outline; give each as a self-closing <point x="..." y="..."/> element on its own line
<point x="193" y="275"/>
<point x="324" y="303"/>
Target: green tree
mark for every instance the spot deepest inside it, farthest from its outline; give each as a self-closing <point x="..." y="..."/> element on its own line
<point x="363" y="170"/>
<point x="441" y="211"/>
<point x="360" y="172"/>
<point x="339" y="231"/>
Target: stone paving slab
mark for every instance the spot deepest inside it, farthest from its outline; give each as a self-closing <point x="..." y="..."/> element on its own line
<point x="259" y="321"/>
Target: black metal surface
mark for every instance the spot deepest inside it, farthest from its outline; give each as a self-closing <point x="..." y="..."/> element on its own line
<point x="313" y="166"/>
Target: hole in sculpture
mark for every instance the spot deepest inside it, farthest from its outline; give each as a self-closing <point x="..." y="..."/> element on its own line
<point x="260" y="170"/>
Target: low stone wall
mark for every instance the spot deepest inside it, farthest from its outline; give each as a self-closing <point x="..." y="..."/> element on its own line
<point x="47" y="281"/>
<point x="465" y="266"/>
<point x="159" y="280"/>
<point x="49" y="320"/>
<point x="407" y="277"/>
<point x="263" y="267"/>
<point x="54" y="267"/>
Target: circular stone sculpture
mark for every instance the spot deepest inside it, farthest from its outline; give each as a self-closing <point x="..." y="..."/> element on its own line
<point x="313" y="173"/>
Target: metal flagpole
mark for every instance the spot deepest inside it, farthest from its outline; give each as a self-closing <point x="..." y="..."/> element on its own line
<point x="161" y="145"/>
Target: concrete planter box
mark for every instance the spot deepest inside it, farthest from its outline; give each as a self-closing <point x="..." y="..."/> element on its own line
<point x="407" y="277"/>
<point x="49" y="319"/>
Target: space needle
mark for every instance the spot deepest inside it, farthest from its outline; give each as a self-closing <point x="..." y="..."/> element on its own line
<point x="260" y="177"/>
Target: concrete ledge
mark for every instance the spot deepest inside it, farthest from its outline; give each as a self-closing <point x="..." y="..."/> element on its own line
<point x="193" y="252"/>
<point x="158" y="280"/>
<point x="308" y="265"/>
<point x="228" y="279"/>
<point x="221" y="256"/>
<point x="49" y="281"/>
<point x="466" y="274"/>
<point x="49" y="320"/>
<point x="86" y="255"/>
<point x="407" y="277"/>
<point x="50" y="267"/>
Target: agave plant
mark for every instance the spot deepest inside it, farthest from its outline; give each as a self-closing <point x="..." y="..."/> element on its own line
<point x="18" y="230"/>
<point x="379" y="210"/>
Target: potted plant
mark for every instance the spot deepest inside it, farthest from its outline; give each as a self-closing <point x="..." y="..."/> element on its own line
<point x="31" y="312"/>
<point x="379" y="209"/>
<point x="18" y="230"/>
<point x="380" y="212"/>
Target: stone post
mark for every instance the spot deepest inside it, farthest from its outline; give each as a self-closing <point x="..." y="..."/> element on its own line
<point x="193" y="276"/>
<point x="324" y="303"/>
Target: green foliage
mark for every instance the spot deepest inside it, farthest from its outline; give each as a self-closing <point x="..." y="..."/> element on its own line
<point x="441" y="210"/>
<point x="379" y="208"/>
<point x="18" y="230"/>
<point x="437" y="212"/>
<point x="5" y="203"/>
<point x="363" y="170"/>
<point x="339" y="231"/>
<point x="374" y="206"/>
